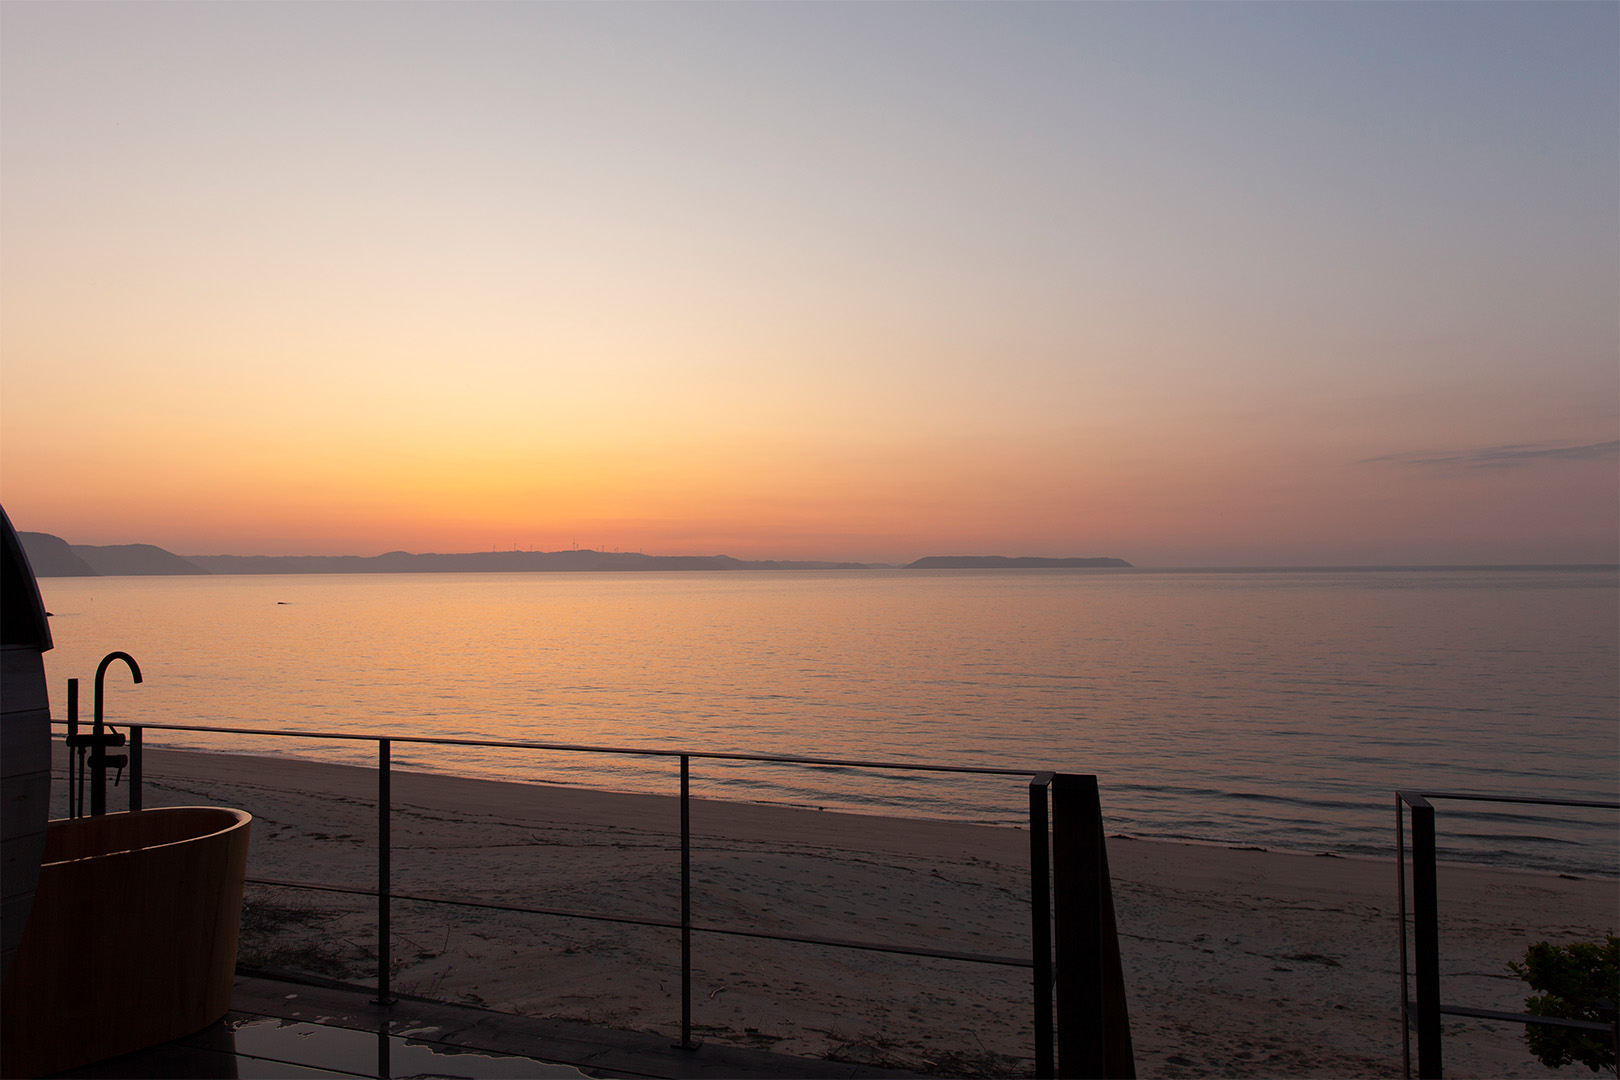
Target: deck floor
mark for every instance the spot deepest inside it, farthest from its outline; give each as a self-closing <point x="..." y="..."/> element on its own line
<point x="281" y="1029"/>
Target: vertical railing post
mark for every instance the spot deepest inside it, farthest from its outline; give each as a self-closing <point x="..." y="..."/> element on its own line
<point x="1426" y="934"/>
<point x="1075" y="834"/>
<point x="75" y="754"/>
<point x="1400" y="892"/>
<point x="1093" y="1017"/>
<point x="686" y="904"/>
<point x="1040" y="907"/>
<point x="134" y="768"/>
<point x="1614" y="1032"/>
<point x="384" y="870"/>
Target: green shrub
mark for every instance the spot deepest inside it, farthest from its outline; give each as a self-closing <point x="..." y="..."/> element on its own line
<point x="1576" y="982"/>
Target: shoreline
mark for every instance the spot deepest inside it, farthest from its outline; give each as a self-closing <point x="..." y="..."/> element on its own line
<point x="1237" y="962"/>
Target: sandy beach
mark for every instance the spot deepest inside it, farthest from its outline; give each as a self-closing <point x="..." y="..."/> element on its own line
<point x="1237" y="962"/>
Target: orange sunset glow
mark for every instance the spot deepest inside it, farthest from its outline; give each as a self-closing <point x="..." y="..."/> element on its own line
<point x="1226" y="285"/>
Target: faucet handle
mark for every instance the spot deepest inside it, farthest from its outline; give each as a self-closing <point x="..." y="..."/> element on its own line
<point x="112" y="738"/>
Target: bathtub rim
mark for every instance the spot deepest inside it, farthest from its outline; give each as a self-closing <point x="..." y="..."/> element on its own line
<point x="238" y="819"/>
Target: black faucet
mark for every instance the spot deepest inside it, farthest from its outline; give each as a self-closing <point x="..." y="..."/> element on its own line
<point x="100" y="739"/>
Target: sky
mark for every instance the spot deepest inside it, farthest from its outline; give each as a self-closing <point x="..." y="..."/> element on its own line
<point x="1188" y="285"/>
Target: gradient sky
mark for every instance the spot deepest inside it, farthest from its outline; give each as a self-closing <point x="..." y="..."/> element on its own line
<point x="1225" y="284"/>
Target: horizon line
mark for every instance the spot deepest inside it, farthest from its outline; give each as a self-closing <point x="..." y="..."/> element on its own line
<point x="850" y="563"/>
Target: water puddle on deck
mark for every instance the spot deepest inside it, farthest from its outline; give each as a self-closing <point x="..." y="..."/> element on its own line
<point x="267" y="1047"/>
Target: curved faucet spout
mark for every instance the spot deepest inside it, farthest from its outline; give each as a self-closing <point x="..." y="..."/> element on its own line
<point x="101" y="678"/>
<point x="100" y="740"/>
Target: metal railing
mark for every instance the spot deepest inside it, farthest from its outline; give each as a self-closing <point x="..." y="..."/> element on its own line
<point x="1089" y="1005"/>
<point x="1421" y="1007"/>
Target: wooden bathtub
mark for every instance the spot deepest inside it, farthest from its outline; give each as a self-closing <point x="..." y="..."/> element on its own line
<point x="132" y="937"/>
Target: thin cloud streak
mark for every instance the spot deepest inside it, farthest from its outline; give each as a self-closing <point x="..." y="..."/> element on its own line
<point x="1499" y="457"/>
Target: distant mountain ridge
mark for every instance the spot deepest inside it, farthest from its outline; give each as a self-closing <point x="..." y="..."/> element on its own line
<point x="51" y="556"/>
<point x="404" y="562"/>
<point x="129" y="560"/>
<point x="1003" y="562"/>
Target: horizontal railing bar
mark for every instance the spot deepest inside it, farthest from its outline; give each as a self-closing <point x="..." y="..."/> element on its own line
<point x="664" y="924"/>
<point x="1406" y="797"/>
<point x="1526" y="1018"/>
<point x="899" y="950"/>
<point x="578" y="749"/>
<point x="485" y="904"/>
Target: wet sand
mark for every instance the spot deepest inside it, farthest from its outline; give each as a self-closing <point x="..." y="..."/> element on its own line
<point x="1237" y="962"/>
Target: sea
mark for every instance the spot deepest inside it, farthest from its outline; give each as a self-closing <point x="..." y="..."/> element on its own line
<point x="1255" y="708"/>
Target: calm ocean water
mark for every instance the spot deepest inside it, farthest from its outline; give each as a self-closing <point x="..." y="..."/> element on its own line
<point x="1280" y="709"/>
